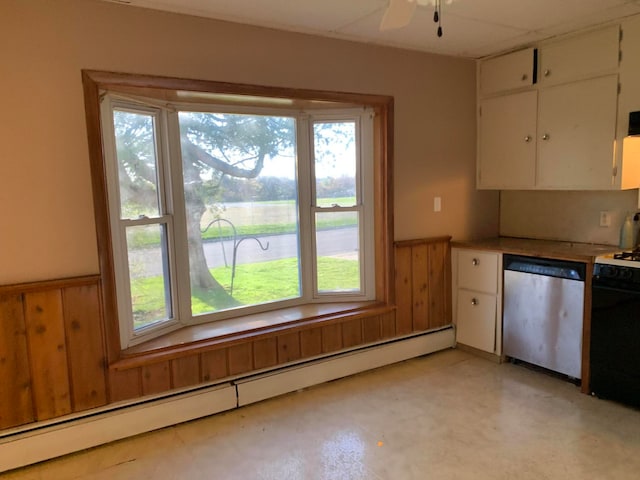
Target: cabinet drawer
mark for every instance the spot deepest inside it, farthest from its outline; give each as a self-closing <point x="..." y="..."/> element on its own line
<point x="476" y="321"/>
<point x="507" y="72"/>
<point x="579" y="57"/>
<point x="478" y="271"/>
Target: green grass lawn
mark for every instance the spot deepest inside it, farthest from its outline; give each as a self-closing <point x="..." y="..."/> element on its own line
<point x="254" y="283"/>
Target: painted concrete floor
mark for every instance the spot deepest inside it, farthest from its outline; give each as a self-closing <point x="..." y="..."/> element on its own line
<point x="449" y="415"/>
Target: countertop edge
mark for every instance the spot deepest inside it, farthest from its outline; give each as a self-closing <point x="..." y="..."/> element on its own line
<point x="573" y="251"/>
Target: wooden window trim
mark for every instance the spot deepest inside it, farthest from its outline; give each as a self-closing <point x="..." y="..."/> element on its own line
<point x="95" y="81"/>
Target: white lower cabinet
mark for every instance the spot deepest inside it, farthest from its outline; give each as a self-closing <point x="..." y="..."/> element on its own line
<point x="476" y="325"/>
<point x="477" y="299"/>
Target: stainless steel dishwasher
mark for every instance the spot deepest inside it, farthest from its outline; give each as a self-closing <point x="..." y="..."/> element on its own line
<point x="543" y="312"/>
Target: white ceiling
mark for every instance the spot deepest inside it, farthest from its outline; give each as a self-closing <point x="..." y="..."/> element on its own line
<point x="472" y="28"/>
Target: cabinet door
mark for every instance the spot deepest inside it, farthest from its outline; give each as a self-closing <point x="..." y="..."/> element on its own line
<point x="507" y="72"/>
<point x="506" y="146"/>
<point x="478" y="271"/>
<point x="576" y="134"/>
<point x="579" y="57"/>
<point x="476" y="325"/>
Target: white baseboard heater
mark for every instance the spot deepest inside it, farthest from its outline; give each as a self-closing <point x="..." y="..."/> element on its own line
<point x="45" y="440"/>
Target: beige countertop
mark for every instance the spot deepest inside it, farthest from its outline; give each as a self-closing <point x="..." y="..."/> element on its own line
<point x="582" y="252"/>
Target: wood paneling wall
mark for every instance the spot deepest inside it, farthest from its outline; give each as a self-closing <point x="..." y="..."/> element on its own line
<point x="134" y="378"/>
<point x="52" y="341"/>
<point x="52" y="357"/>
<point x="423" y="284"/>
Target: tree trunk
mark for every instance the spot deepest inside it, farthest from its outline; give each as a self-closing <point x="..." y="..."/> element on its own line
<point x="199" y="273"/>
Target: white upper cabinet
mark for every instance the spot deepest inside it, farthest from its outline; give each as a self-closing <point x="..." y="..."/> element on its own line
<point x="579" y="57"/>
<point x="560" y="132"/>
<point x="508" y="72"/>
<point x="507" y="141"/>
<point x="576" y="134"/>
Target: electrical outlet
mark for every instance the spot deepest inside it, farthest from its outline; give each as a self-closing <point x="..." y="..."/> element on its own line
<point x="605" y="219"/>
<point x="437" y="204"/>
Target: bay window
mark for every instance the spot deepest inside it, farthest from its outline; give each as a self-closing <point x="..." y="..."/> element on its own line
<point x="220" y="206"/>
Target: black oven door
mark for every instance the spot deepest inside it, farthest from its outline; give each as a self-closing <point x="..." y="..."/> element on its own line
<point x="615" y="342"/>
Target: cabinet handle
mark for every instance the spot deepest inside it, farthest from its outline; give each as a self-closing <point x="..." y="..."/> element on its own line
<point x="546" y="136"/>
<point x="527" y="138"/>
<point x="547" y="73"/>
<point x="474" y="301"/>
<point x="475" y="262"/>
<point x="524" y="77"/>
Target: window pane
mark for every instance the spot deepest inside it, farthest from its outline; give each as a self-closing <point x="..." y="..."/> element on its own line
<point x="241" y="205"/>
<point x="335" y="163"/>
<point x="137" y="164"/>
<point x="338" y="256"/>
<point x="149" y="274"/>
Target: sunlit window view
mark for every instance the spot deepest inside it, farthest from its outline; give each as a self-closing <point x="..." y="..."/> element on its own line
<point x="337" y="210"/>
<point x="141" y="214"/>
<point x="242" y="220"/>
<point x="218" y="212"/>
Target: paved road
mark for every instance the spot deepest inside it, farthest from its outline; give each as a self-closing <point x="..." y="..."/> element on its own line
<point x="342" y="242"/>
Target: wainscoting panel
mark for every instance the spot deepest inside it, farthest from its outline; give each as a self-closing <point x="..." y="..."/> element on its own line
<point x="53" y="360"/>
<point x="423" y="284"/>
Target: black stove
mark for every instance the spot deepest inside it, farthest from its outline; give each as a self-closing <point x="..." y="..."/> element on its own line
<point x="618" y="269"/>
<point x="631" y="255"/>
<point x="615" y="328"/>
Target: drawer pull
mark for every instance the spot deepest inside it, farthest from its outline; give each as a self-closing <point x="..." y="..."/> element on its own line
<point x="475" y="262"/>
<point x="547" y="73"/>
<point x="474" y="301"/>
<point x="524" y="77"/>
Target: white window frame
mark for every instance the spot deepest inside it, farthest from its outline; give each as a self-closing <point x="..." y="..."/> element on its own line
<point x="172" y="203"/>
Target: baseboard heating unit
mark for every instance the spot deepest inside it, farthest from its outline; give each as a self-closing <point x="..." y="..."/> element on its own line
<point x="45" y="440"/>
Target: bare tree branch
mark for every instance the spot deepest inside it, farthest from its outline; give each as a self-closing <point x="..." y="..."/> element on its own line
<point x="195" y="153"/>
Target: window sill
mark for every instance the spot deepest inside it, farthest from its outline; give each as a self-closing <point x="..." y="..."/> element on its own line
<point x="207" y="336"/>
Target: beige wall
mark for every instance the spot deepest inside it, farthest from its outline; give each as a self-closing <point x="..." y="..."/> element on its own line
<point x="47" y="228"/>
<point x="569" y="216"/>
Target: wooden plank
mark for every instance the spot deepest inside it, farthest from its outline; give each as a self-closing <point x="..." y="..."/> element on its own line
<point x="311" y="342"/>
<point x="125" y="384"/>
<point x="388" y="325"/>
<point x="240" y="358"/>
<point x="85" y="347"/>
<point x="421" y="241"/>
<point x="288" y="347"/>
<point x="404" y="290"/>
<point x="185" y="371"/>
<point x="371" y="329"/>
<point x="48" y="353"/>
<point x="214" y="365"/>
<point x="420" y="286"/>
<point x="437" y="286"/>
<point x="448" y="307"/>
<point x="57" y="284"/>
<point x="265" y="353"/>
<point x="352" y="333"/>
<point x="16" y="401"/>
<point x="331" y="338"/>
<point x="156" y="378"/>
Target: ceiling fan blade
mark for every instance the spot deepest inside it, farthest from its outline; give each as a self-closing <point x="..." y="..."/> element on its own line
<point x="398" y="14"/>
